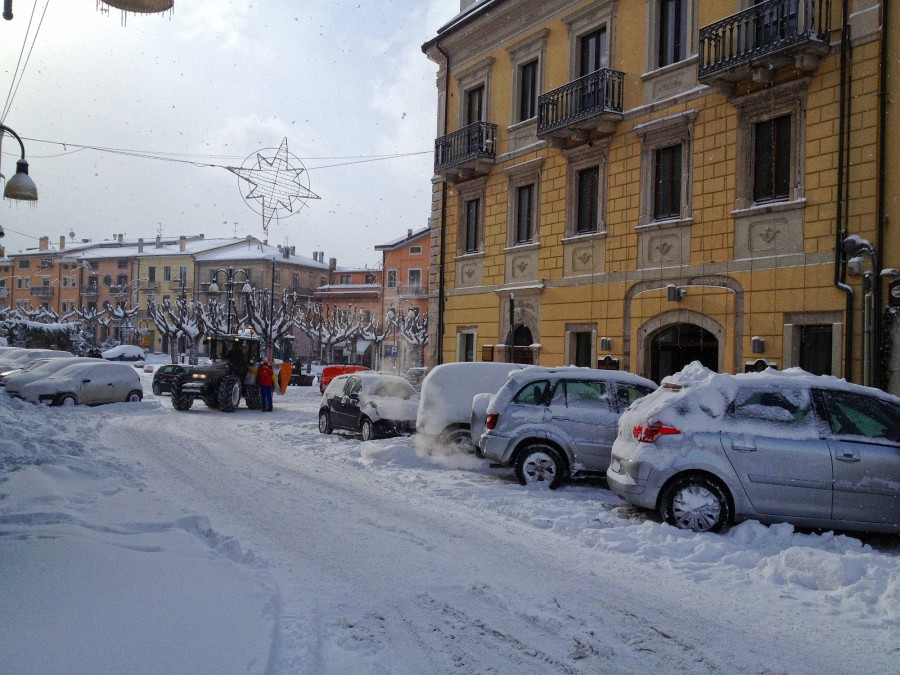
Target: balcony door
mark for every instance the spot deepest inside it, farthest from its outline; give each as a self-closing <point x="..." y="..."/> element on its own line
<point x="593" y="58"/>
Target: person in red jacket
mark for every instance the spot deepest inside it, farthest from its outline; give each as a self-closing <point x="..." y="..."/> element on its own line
<point x="265" y="378"/>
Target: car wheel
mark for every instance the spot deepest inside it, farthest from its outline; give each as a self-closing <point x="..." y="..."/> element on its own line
<point x="324" y="423"/>
<point x="540" y="464"/>
<point x="180" y="400"/>
<point x="211" y="401"/>
<point x="367" y="429"/>
<point x="695" y="502"/>
<point x="229" y="393"/>
<point x="68" y="400"/>
<point x="157" y="389"/>
<point x="459" y="440"/>
<point x="134" y="397"/>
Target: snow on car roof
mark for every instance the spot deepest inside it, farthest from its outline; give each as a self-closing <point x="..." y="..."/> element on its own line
<point x="581" y="372"/>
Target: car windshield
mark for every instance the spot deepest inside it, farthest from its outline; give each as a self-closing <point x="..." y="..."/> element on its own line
<point x="393" y="388"/>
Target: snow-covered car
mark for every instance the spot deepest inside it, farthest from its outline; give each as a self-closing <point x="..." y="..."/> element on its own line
<point x="124" y="353"/>
<point x="706" y="449"/>
<point x="89" y="383"/>
<point x="164" y="377"/>
<point x="37" y="370"/>
<point x="556" y="423"/>
<point x="371" y="404"/>
<point x="445" y="403"/>
<point x="20" y="358"/>
<point x="415" y="376"/>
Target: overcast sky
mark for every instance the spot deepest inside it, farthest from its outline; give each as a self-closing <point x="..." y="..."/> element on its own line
<point x="213" y="83"/>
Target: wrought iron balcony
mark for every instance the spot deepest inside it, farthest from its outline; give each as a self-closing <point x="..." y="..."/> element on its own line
<point x="90" y="290"/>
<point x="41" y="291"/>
<point x="583" y="109"/>
<point x="752" y="44"/>
<point x="466" y="153"/>
<point x="411" y="290"/>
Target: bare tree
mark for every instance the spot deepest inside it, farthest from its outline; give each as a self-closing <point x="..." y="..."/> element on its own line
<point x="412" y="327"/>
<point x="272" y="318"/>
<point x="329" y="326"/>
<point x="176" y="321"/>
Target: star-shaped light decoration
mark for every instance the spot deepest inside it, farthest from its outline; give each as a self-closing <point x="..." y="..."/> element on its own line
<point x="275" y="183"/>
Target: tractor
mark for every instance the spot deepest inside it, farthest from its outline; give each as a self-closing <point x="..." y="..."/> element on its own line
<point x="229" y="375"/>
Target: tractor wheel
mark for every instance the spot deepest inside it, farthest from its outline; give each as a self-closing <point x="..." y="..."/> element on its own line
<point x="181" y="400"/>
<point x="251" y="396"/>
<point x="229" y="393"/>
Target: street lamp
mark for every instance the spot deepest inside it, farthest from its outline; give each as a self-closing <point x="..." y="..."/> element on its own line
<point x="230" y="278"/>
<point x="20" y="186"/>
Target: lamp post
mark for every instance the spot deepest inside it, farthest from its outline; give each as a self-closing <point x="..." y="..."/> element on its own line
<point x="230" y="278"/>
<point x="271" y="335"/>
<point x="20" y="187"/>
<point x="856" y="247"/>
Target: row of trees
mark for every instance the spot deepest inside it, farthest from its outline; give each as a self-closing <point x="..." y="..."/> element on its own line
<point x="272" y="318"/>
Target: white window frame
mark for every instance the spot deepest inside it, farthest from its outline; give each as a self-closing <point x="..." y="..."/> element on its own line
<point x="391" y="278"/>
<point x="526" y="50"/>
<point x="518" y="176"/>
<point x="469" y="79"/>
<point x="691" y="35"/>
<point x="474" y="189"/>
<point x="585" y="21"/>
<point x="586" y="157"/>
<point x="667" y="131"/>
<point x="460" y="343"/>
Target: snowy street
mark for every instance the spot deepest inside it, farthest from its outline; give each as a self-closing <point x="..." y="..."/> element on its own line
<point x="137" y="538"/>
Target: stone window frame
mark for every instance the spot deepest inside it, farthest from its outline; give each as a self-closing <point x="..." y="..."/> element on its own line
<point x="466" y="192"/>
<point x="523" y="52"/>
<point x="569" y="346"/>
<point x="653" y="37"/>
<point x="667" y="131"/>
<point x="578" y="160"/>
<point x="518" y="176"/>
<point x="585" y="21"/>
<point x="460" y="345"/>
<point x="784" y="99"/>
<point x="475" y="76"/>
<point x="390" y="278"/>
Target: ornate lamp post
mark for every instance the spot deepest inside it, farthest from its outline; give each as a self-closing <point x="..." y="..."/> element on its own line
<point x="20" y="186"/>
<point x="230" y="278"/>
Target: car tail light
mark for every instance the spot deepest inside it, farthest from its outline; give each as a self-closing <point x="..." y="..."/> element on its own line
<point x="648" y="433"/>
<point x="491" y="420"/>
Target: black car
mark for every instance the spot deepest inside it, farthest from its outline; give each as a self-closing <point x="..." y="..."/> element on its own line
<point x="164" y="376"/>
<point x="370" y="404"/>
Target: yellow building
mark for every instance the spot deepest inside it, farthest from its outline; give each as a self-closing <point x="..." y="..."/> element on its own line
<point x="640" y="184"/>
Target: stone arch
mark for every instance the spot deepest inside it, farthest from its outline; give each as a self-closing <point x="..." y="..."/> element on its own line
<point x="661" y="322"/>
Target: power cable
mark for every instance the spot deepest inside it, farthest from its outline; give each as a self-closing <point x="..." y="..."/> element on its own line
<point x="12" y="93"/>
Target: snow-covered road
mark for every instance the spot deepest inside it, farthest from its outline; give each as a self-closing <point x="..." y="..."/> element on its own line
<point x="376" y="557"/>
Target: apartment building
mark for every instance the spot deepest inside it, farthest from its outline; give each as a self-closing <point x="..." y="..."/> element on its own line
<point x="641" y="184"/>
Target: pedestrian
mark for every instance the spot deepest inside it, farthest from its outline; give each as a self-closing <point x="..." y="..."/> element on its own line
<point x="265" y="378"/>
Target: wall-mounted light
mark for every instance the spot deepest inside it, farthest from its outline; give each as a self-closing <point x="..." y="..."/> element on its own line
<point x="605" y="344"/>
<point x="758" y="345"/>
<point x="675" y="293"/>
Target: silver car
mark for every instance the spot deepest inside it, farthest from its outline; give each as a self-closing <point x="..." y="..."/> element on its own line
<point x="90" y="383"/>
<point x="706" y="450"/>
<point x="554" y="423"/>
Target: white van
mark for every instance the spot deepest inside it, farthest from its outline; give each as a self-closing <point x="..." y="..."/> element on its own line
<point x="445" y="403"/>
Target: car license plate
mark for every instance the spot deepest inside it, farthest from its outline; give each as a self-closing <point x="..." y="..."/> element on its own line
<point x="615" y="465"/>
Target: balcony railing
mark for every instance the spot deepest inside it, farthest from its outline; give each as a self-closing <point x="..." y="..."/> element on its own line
<point x="90" y="290"/>
<point x="587" y="99"/>
<point x="466" y="148"/>
<point x="41" y="291"/>
<point x="410" y="290"/>
<point x="775" y="27"/>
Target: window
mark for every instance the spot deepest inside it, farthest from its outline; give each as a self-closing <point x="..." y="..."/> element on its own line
<point x="525" y="213"/>
<point x="815" y="349"/>
<point x="593" y="51"/>
<point x="415" y="250"/>
<point x="370" y="279"/>
<point x="466" y="347"/>
<point x="344" y="279"/>
<point x="167" y="273"/>
<point x="672" y="31"/>
<point x="392" y="278"/>
<point x="475" y="105"/>
<point x="473" y="220"/>
<point x="24" y="264"/>
<point x="580" y="345"/>
<point x="667" y="183"/>
<point x="584" y="349"/>
<point x="532" y="393"/>
<point x="772" y="159"/>
<point x="666" y="169"/>
<point x="122" y="280"/>
<point x="182" y="272"/>
<point x="588" y="203"/>
<point x="581" y="394"/>
<point x="151" y="274"/>
<point x="295" y="280"/>
<point x="415" y="279"/>
<point x="851" y="414"/>
<point x="528" y="91"/>
<point x="122" y="264"/>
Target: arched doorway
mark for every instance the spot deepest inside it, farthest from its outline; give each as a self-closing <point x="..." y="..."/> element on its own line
<point x="673" y="347"/>
<point x="522" y="341"/>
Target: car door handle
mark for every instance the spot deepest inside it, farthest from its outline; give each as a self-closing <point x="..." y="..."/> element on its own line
<point x="743" y="448"/>
<point x="848" y="458"/>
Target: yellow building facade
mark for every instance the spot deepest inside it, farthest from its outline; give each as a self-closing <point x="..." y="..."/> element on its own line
<point x="638" y="184"/>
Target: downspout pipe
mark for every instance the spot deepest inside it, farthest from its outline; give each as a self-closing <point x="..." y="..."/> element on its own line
<point x="442" y="284"/>
<point x="840" y="269"/>
<point x="880" y="210"/>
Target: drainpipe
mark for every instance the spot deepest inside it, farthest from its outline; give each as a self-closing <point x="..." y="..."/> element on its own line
<point x="441" y="277"/>
<point x="840" y="269"/>
<point x="879" y="212"/>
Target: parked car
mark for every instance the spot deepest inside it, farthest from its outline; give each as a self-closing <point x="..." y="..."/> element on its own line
<point x="555" y="423"/>
<point x="304" y="374"/>
<point x="124" y="353"/>
<point x="372" y="404"/>
<point x="37" y="370"/>
<point x="89" y="383"/>
<point x="22" y="357"/>
<point x="445" y="402"/>
<point x="330" y="372"/>
<point x="706" y="450"/>
<point x="164" y="377"/>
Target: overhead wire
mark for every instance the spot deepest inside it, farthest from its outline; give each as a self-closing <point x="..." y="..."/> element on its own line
<point x="14" y="84"/>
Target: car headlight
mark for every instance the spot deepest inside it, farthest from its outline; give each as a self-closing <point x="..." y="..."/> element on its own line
<point x="199" y="376"/>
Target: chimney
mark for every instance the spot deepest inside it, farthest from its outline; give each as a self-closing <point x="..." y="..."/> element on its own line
<point x="293" y="250"/>
<point x="409" y="233"/>
<point x="120" y="238"/>
<point x="140" y="245"/>
<point x="158" y="241"/>
<point x="62" y="242"/>
<point x="285" y="252"/>
<point x="43" y="243"/>
<point x="182" y="242"/>
<point x="332" y="263"/>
